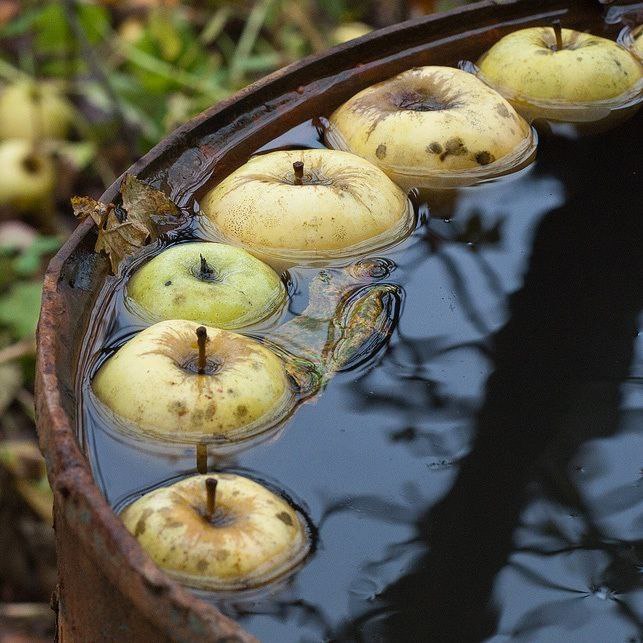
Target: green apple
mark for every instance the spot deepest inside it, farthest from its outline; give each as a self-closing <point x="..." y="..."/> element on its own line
<point x="176" y="381"/>
<point x="559" y="66"/>
<point x="34" y="111"/>
<point x="209" y="283"/>
<point x="431" y="123"/>
<point x="28" y="177"/>
<point x="308" y="203"/>
<point x="219" y="531"/>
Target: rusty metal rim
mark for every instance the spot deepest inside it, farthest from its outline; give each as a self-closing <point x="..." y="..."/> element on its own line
<point x="68" y="469"/>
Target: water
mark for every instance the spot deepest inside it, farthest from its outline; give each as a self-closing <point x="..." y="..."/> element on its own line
<point x="479" y="477"/>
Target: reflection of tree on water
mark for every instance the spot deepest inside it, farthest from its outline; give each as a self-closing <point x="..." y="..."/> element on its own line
<point x="559" y="364"/>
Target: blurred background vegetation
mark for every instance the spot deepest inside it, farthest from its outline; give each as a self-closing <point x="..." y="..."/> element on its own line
<point x="86" y="88"/>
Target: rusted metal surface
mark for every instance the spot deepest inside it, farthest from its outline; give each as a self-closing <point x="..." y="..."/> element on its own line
<point x="109" y="589"/>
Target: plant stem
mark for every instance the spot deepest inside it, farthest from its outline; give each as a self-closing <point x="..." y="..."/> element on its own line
<point x="202" y="338"/>
<point x="298" y="167"/>
<point x="202" y="457"/>
<point x="558" y="32"/>
<point x="211" y="497"/>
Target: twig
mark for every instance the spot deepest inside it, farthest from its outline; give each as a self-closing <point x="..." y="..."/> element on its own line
<point x="20" y="349"/>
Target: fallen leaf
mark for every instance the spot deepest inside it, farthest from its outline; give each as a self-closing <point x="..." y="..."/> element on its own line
<point x="122" y="230"/>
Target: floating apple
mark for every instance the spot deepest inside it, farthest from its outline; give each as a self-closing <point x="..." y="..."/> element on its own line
<point x="219" y="531"/>
<point x="562" y="74"/>
<point x="209" y="283"/>
<point x="34" y="111"/>
<point x="433" y="126"/>
<point x="181" y="382"/>
<point x="27" y="176"/>
<point x="308" y="203"/>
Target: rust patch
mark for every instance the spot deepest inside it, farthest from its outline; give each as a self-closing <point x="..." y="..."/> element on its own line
<point x="285" y="518"/>
<point x="501" y="108"/>
<point x="140" y="524"/>
<point x="484" y="158"/>
<point x="454" y="147"/>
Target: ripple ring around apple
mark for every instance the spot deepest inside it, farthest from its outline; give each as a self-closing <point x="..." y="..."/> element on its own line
<point x="250" y="537"/>
<point x="165" y="384"/>
<point x="433" y="127"/>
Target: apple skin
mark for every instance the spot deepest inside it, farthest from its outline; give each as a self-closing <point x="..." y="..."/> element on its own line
<point x="151" y="383"/>
<point x="28" y="177"/>
<point x="34" y="111"/>
<point x="344" y="201"/>
<point x="428" y="121"/>
<point x="255" y="536"/>
<point x="242" y="290"/>
<point x="523" y="65"/>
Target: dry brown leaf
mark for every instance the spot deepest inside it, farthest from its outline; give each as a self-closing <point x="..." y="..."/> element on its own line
<point x="123" y="230"/>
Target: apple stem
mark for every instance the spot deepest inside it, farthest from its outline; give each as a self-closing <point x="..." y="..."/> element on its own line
<point x="202" y="457"/>
<point x="202" y="338"/>
<point x="211" y="497"/>
<point x="205" y="270"/>
<point x="558" y="32"/>
<point x="298" y="167"/>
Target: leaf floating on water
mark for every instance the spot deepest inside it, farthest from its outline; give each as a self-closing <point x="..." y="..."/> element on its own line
<point x="123" y="230"/>
<point x="345" y="322"/>
<point x="147" y="205"/>
<point x="365" y="325"/>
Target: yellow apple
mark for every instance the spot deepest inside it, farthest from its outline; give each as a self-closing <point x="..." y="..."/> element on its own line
<point x="27" y="176"/>
<point x="561" y="79"/>
<point x="34" y="111"/>
<point x="209" y="283"/>
<point x="308" y="203"/>
<point x="219" y="531"/>
<point x="179" y="382"/>
<point x="432" y="125"/>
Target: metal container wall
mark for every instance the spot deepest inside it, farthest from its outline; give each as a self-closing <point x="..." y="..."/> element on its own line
<point x="109" y="589"/>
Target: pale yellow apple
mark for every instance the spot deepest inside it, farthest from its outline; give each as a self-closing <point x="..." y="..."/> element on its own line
<point x="153" y="383"/>
<point x="349" y="31"/>
<point x="253" y="537"/>
<point x="528" y="66"/>
<point x="27" y="176"/>
<point x="341" y="204"/>
<point x="431" y="122"/>
<point x="209" y="283"/>
<point x="34" y="111"/>
<point x="637" y="42"/>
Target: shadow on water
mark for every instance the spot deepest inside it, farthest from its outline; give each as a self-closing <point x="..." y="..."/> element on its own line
<point x="558" y="367"/>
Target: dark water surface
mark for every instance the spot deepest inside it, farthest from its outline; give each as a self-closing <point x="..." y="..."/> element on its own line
<point x="480" y="477"/>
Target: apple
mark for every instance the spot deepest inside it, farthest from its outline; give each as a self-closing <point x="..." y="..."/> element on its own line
<point x="34" y="111"/>
<point x="209" y="283"/>
<point x="349" y="31"/>
<point x="181" y="382"/>
<point x="308" y="204"/>
<point x="219" y="531"/>
<point x="28" y="176"/>
<point x="562" y="74"/>
<point x="432" y="126"/>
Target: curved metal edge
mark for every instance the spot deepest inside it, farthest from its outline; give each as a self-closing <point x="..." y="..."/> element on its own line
<point x="76" y="497"/>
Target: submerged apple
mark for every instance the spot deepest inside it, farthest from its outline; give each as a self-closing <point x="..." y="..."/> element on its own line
<point x="219" y="531"/>
<point x="181" y="382"/>
<point x="308" y="202"/>
<point x="27" y="176"/>
<point x="34" y="111"/>
<point x="550" y="66"/>
<point x="209" y="283"/>
<point x="432" y="123"/>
